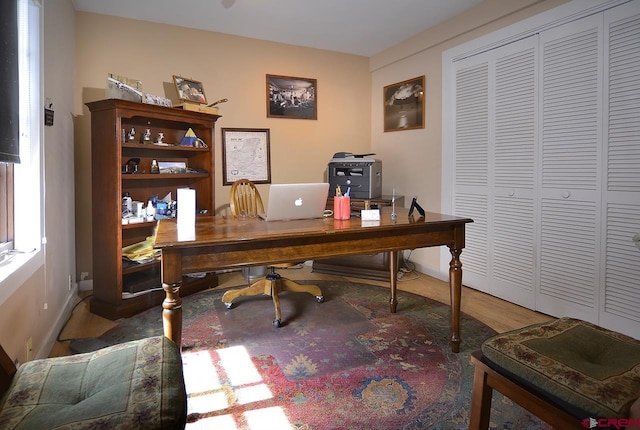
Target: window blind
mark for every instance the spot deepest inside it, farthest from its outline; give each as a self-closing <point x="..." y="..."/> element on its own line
<point x="9" y="90"/>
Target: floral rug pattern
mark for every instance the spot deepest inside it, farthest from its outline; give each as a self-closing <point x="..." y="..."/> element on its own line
<point x="347" y="363"/>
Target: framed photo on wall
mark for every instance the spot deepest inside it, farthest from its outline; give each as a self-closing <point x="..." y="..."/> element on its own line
<point x="189" y="91"/>
<point x="404" y="105"/>
<point x="289" y="97"/>
<point x="246" y="155"/>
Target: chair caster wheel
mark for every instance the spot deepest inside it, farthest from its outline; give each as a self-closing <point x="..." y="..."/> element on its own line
<point x="277" y="323"/>
<point x="229" y="305"/>
<point x="320" y="299"/>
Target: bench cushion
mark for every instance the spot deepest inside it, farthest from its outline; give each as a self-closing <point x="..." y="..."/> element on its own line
<point x="591" y="371"/>
<point x="136" y="384"/>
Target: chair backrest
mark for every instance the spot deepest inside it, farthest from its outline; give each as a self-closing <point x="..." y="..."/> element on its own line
<point x="244" y="198"/>
<point x="7" y="370"/>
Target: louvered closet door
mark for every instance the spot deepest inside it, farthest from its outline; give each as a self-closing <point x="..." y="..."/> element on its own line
<point x="471" y="165"/>
<point x="495" y="169"/>
<point x="620" y="297"/>
<point x="513" y="212"/>
<point x="570" y="158"/>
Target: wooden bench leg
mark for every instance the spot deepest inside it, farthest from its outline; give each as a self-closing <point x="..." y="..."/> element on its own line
<point x="480" y="400"/>
<point x="487" y="379"/>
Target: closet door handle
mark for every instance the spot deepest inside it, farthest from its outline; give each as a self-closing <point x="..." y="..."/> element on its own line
<point x="566" y="194"/>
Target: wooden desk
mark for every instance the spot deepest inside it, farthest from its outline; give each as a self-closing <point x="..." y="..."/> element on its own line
<point x="221" y="242"/>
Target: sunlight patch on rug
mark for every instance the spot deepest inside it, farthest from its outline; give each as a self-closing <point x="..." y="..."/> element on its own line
<point x="347" y="363"/>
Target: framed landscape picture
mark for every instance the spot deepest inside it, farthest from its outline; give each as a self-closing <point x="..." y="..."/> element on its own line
<point x="289" y="97"/>
<point x="404" y="105"/>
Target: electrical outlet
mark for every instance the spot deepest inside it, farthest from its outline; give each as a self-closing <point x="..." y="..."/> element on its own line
<point x="70" y="282"/>
<point x="29" y="349"/>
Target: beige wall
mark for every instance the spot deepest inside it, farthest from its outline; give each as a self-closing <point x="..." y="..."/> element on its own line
<point x="228" y="67"/>
<point x="23" y="314"/>
<point x="349" y="97"/>
<point x="412" y="158"/>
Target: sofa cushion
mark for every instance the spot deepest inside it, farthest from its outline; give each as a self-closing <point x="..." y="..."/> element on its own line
<point x="136" y="384"/>
<point x="591" y="371"/>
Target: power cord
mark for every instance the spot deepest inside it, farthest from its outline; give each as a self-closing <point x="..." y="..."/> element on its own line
<point x="406" y="268"/>
<point x="69" y="319"/>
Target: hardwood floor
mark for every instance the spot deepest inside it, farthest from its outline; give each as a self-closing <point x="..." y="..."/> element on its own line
<point x="496" y="313"/>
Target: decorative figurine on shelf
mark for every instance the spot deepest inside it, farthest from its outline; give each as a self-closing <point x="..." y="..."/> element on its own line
<point x="154" y="167"/>
<point x="131" y="136"/>
<point x="146" y="136"/>
<point x="160" y="138"/>
<point x="131" y="166"/>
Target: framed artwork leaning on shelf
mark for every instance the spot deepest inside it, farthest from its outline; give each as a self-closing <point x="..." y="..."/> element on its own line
<point x="189" y="91"/>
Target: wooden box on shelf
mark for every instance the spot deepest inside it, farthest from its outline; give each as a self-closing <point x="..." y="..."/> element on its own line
<point x="124" y="289"/>
<point x="372" y="266"/>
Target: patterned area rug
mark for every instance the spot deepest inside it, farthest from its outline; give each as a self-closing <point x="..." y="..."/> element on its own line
<point x="347" y="363"/>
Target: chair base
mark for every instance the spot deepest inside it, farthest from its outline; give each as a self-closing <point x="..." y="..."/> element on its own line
<point x="486" y="379"/>
<point x="272" y="285"/>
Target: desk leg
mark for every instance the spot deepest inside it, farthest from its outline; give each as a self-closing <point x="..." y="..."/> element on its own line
<point x="172" y="304"/>
<point x="455" y="286"/>
<point x="393" y="278"/>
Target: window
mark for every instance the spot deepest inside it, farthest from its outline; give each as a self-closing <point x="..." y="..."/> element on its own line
<point x="21" y="199"/>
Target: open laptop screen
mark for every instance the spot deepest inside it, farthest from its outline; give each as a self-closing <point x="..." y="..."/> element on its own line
<point x="296" y="201"/>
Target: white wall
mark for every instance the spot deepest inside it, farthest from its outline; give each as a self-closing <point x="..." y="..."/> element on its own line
<point x="23" y="314"/>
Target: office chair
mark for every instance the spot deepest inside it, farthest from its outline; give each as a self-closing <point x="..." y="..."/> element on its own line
<point x="245" y="200"/>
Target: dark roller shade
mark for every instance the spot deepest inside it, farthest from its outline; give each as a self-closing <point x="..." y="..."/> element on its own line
<point x="9" y="91"/>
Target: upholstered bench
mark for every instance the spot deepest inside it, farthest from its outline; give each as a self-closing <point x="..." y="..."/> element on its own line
<point x="134" y="385"/>
<point x="568" y="372"/>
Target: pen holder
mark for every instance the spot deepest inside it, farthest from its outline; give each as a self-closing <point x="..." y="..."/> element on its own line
<point x="341" y="207"/>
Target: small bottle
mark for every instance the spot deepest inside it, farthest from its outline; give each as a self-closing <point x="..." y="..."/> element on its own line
<point x="126" y="205"/>
<point x="151" y="211"/>
<point x="154" y="167"/>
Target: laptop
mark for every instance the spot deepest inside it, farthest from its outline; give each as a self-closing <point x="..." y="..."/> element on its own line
<point x="296" y="201"/>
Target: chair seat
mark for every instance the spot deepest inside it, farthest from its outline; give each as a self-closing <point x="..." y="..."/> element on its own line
<point x="136" y="384"/>
<point x="587" y="370"/>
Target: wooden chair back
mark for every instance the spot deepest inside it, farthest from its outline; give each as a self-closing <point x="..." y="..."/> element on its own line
<point x="7" y="370"/>
<point x="244" y="198"/>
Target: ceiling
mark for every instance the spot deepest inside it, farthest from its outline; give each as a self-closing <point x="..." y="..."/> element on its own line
<point x="360" y="27"/>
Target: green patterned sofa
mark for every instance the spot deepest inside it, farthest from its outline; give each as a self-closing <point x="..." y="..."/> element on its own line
<point x="134" y="385"/>
<point x="568" y="372"/>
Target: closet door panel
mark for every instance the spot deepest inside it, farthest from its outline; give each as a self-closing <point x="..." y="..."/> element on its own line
<point x="513" y="177"/>
<point x="620" y="299"/>
<point x="472" y="166"/>
<point x="570" y="166"/>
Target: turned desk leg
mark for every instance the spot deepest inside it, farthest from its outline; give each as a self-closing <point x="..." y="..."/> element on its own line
<point x="172" y="304"/>
<point x="455" y="286"/>
<point x="393" y="278"/>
